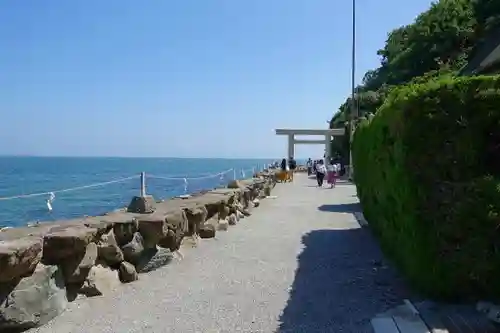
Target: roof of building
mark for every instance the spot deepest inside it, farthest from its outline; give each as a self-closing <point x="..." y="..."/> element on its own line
<point x="487" y="55"/>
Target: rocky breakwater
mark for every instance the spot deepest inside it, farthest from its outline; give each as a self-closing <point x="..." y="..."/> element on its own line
<point x="44" y="267"/>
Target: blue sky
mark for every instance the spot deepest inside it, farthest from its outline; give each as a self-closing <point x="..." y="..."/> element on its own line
<point x="204" y="78"/>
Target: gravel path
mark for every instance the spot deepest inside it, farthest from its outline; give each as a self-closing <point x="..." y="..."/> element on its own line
<point x="300" y="263"/>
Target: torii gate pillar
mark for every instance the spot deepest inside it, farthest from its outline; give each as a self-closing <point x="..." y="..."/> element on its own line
<point x="291" y="146"/>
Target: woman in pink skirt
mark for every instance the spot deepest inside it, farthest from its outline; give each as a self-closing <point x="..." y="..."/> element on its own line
<point x="331" y="174"/>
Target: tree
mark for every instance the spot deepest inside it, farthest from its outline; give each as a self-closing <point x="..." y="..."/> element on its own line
<point x="439" y="42"/>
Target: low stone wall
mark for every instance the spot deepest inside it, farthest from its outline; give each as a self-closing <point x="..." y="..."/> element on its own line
<point x="44" y="267"/>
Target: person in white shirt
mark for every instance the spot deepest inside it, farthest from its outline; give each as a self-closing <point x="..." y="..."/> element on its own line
<point x="320" y="172"/>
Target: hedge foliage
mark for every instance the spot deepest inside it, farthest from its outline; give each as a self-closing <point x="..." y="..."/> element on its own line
<point x="427" y="170"/>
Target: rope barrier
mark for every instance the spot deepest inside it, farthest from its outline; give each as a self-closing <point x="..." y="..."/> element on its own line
<point x="185" y="179"/>
<point x="208" y="176"/>
<point x="69" y="189"/>
<point x="120" y="180"/>
<point x="188" y="184"/>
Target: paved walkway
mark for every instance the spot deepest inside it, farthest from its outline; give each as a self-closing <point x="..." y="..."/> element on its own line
<point x="300" y="263"/>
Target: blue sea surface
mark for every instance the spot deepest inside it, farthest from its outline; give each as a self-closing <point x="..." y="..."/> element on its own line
<point x="22" y="176"/>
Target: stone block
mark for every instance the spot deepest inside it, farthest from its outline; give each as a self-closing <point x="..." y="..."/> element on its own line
<point x="18" y="258"/>
<point x="66" y="243"/>
<point x="142" y="205"/>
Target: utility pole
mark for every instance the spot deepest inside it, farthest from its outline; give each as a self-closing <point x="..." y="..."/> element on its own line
<point x="354" y="96"/>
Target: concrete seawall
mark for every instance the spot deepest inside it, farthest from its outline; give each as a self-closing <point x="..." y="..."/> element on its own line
<point x="45" y="266"/>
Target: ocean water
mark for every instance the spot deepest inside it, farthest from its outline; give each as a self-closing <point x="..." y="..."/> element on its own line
<point x="21" y="177"/>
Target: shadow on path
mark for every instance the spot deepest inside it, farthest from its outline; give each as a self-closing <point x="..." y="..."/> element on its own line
<point x="340" y="284"/>
<point x="341" y="208"/>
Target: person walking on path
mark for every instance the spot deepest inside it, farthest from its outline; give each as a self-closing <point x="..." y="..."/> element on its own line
<point x="309" y="166"/>
<point x="283" y="164"/>
<point x="339" y="171"/>
<point x="320" y="172"/>
<point x="331" y="173"/>
<point x="284" y="174"/>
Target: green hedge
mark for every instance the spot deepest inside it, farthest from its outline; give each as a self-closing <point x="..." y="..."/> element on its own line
<point x="428" y="177"/>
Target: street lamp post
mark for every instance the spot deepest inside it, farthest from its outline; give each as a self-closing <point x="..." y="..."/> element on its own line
<point x="353" y="87"/>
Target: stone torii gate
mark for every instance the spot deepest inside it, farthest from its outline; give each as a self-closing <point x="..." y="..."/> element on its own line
<point x="326" y="133"/>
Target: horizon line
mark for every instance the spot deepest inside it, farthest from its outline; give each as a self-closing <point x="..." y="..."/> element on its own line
<point x="144" y="157"/>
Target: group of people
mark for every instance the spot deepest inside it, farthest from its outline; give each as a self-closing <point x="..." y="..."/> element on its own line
<point x="331" y="171"/>
<point x="289" y="166"/>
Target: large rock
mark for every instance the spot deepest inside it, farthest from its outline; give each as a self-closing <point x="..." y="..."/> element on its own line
<point x="100" y="280"/>
<point x="242" y="210"/>
<point x="223" y="212"/>
<point x="169" y="241"/>
<point x="246" y="197"/>
<point x="142" y="205"/>
<point x="227" y="196"/>
<point x="152" y="259"/>
<point x="211" y="202"/>
<point x="124" y="229"/>
<point x="267" y="190"/>
<point x="108" y="250"/>
<point x="76" y="269"/>
<point x="233" y="208"/>
<point x="33" y="301"/>
<point x="178" y="226"/>
<point x="196" y="216"/>
<point x="207" y="231"/>
<point x="153" y="228"/>
<point x="223" y="225"/>
<point x="255" y="193"/>
<point x="18" y="258"/>
<point x="103" y="226"/>
<point x="235" y="184"/>
<point x="132" y="251"/>
<point x="127" y="272"/>
<point x="232" y="219"/>
<point x="69" y="242"/>
<point x="260" y="183"/>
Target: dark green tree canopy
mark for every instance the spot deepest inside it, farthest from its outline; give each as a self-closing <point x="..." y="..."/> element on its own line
<point x="440" y="41"/>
